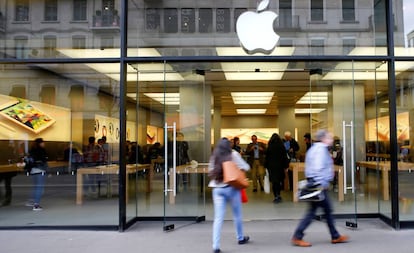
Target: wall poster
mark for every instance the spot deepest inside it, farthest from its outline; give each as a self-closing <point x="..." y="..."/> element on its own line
<point x="245" y="134"/>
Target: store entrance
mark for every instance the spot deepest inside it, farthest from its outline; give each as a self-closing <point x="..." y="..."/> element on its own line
<point x="198" y="103"/>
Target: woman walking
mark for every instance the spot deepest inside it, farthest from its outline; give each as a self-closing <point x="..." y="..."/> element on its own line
<point x="276" y="162"/>
<point x="224" y="193"/>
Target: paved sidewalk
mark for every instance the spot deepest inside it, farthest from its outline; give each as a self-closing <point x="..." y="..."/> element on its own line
<point x="372" y="235"/>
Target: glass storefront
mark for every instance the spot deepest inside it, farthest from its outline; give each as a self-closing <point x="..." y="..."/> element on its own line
<point x="129" y="114"/>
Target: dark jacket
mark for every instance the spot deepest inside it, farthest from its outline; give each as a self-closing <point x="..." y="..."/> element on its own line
<point x="293" y="144"/>
<point x="39" y="156"/>
<point x="276" y="159"/>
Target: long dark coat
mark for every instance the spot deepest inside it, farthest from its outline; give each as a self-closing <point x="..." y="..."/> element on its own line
<point x="276" y="161"/>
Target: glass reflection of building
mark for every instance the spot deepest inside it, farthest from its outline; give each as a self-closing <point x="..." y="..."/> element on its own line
<point x="180" y="61"/>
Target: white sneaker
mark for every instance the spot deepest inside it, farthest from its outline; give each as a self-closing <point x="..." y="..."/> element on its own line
<point x="36" y="207"/>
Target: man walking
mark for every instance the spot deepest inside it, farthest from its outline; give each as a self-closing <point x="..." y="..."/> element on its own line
<point x="319" y="168"/>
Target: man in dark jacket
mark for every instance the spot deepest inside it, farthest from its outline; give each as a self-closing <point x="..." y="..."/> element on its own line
<point x="256" y="151"/>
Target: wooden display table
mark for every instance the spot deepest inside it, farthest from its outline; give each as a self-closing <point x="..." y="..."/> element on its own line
<point x="14" y="167"/>
<point x="202" y="169"/>
<point x="300" y="167"/>
<point x="384" y="167"/>
<point x="112" y="169"/>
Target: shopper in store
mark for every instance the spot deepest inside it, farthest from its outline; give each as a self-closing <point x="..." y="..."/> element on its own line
<point x="308" y="140"/>
<point x="38" y="172"/>
<point x="292" y="147"/>
<point x="236" y="145"/>
<point x="256" y="152"/>
<point x="276" y="163"/>
<point x="183" y="157"/>
<point x="319" y="168"/>
<point x="182" y="149"/>
<point x="91" y="158"/>
<point x="224" y="193"/>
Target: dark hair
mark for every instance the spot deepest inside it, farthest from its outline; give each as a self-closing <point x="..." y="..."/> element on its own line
<point x="39" y="140"/>
<point x="235" y="140"/>
<point x="91" y="140"/>
<point x="275" y="138"/>
<point x="221" y="153"/>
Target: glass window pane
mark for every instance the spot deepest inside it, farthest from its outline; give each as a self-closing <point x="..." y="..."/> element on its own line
<point x="49" y="46"/>
<point x="348" y="10"/>
<point x="22" y="10"/>
<point x="170" y="20"/>
<point x="152" y="19"/>
<point x="316" y="10"/>
<point x="237" y="13"/>
<point x="187" y="20"/>
<point x="223" y="20"/>
<point x="215" y="26"/>
<point x="317" y="47"/>
<point x="285" y="13"/>
<point x="21" y="49"/>
<point x="205" y="21"/>
<point x="50" y="10"/>
<point x="79" y="10"/>
<point x="348" y="45"/>
<point x="70" y="104"/>
<point x="78" y="42"/>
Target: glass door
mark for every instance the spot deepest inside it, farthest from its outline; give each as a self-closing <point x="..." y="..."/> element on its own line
<point x="166" y="132"/>
<point x="186" y="112"/>
<point x="342" y="98"/>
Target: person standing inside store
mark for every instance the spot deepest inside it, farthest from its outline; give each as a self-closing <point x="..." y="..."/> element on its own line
<point x="291" y="146"/>
<point x="224" y="193"/>
<point x="256" y="151"/>
<point x="308" y="140"/>
<point x="38" y="172"/>
<point x="182" y="150"/>
<point x="236" y="145"/>
<point x="182" y="157"/>
<point x="319" y="167"/>
<point x="276" y="163"/>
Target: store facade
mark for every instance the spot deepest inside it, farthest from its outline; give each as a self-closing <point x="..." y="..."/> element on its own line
<point x="154" y="84"/>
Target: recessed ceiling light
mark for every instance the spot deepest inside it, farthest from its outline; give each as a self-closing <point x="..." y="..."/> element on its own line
<point x="252" y="97"/>
<point x="251" y="111"/>
<point x="309" y="110"/>
<point x="320" y="97"/>
<point x="164" y="98"/>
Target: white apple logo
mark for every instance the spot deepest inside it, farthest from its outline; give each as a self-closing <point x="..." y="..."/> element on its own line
<point x="255" y="30"/>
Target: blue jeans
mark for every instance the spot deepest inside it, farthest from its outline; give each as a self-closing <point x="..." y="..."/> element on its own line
<point x="38" y="186"/>
<point x="310" y="215"/>
<point x="222" y="195"/>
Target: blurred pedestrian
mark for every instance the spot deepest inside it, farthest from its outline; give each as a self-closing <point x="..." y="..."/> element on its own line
<point x="319" y="168"/>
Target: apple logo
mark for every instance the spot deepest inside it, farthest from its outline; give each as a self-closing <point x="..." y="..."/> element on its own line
<point x="255" y="30"/>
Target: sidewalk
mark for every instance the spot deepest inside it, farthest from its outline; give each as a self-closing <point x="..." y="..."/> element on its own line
<point x="372" y="235"/>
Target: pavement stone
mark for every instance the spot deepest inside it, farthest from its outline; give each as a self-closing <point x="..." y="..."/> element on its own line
<point x="372" y="235"/>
